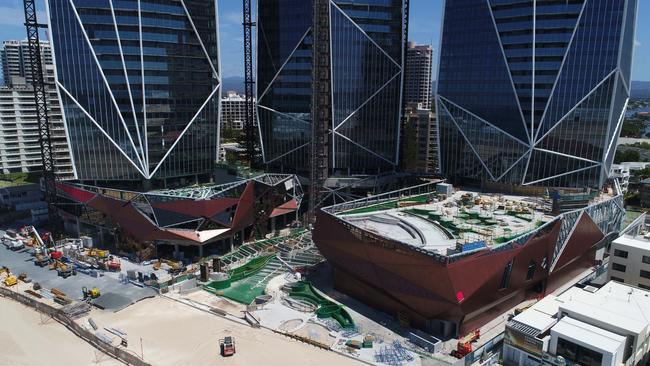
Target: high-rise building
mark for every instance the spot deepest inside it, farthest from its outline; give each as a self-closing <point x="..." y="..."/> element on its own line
<point x="367" y="41"/>
<point x="233" y="111"/>
<point x="139" y="85"/>
<point x="533" y="92"/>
<point x="417" y="75"/>
<point x="419" y="140"/>
<point x="20" y="150"/>
<point x="14" y="57"/>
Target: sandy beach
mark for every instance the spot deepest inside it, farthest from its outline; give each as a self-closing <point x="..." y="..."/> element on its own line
<point x="176" y="334"/>
<point x="28" y="338"/>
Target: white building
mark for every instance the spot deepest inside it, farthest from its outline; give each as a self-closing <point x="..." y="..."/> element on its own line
<point x="233" y="111"/>
<point x="624" y="172"/>
<point x="607" y="326"/>
<point x="20" y="150"/>
<point x="14" y="59"/>
<point x="630" y="260"/>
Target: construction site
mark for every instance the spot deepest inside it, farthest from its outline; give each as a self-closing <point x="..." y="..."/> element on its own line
<point x="266" y="291"/>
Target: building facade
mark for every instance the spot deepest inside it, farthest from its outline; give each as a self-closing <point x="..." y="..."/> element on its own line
<point x="20" y="150"/>
<point x="419" y="140"/>
<point x="533" y="93"/>
<point x="14" y="57"/>
<point x="139" y="85"/>
<point x="417" y="75"/>
<point x="367" y="39"/>
<point x="630" y="261"/>
<point x="233" y="111"/>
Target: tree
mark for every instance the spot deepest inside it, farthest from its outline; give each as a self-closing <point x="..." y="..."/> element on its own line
<point x="628" y="155"/>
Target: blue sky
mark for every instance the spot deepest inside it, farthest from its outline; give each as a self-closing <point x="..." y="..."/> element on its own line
<point x="424" y="28"/>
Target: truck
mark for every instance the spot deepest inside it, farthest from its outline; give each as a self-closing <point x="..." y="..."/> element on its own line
<point x="227" y="346"/>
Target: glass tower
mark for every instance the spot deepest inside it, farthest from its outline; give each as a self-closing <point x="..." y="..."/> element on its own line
<point x="139" y="85"/>
<point x="533" y="92"/>
<point x="366" y="70"/>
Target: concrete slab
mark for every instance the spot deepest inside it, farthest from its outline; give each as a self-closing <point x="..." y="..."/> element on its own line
<point x="19" y="262"/>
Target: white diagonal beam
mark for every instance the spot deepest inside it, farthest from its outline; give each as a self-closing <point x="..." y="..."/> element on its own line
<point x="207" y="55"/>
<point x="561" y="175"/>
<point x="592" y="91"/>
<point x="559" y="71"/>
<point x="568" y="156"/>
<point x="367" y="100"/>
<point x="283" y="64"/>
<point x="505" y="61"/>
<point x="365" y="34"/>
<point x="101" y="72"/>
<point x="363" y="147"/>
<point x="144" y="96"/>
<point x="184" y="131"/>
<point x="128" y="83"/>
<point x="467" y="140"/>
<point x="288" y="152"/>
<point x="61" y="87"/>
<point x="284" y="114"/>
<point x="482" y="120"/>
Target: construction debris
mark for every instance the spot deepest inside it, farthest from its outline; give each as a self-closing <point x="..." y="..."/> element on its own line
<point x="76" y="310"/>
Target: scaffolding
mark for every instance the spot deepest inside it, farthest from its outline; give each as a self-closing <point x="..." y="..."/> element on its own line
<point x="249" y="126"/>
<point x="321" y="107"/>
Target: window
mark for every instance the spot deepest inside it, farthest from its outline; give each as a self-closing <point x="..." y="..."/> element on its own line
<point x="645" y="287"/>
<point x="618" y="267"/>
<point x="645" y="274"/>
<point x="577" y="353"/>
<point x="620" y="253"/>
<point x="505" y="279"/>
<point x="645" y="259"/>
<point x="531" y="270"/>
<point x="617" y="279"/>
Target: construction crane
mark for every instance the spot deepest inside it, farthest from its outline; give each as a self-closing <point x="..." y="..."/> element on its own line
<point x="321" y="110"/>
<point x="249" y="125"/>
<point x="40" y="98"/>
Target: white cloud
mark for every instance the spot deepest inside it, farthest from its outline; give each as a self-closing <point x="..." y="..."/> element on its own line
<point x="637" y="43"/>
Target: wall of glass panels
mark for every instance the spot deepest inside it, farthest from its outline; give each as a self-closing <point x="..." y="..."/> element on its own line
<point x="366" y="40"/>
<point x="145" y="74"/>
<point x="551" y="75"/>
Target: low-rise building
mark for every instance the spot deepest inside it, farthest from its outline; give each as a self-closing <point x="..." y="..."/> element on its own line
<point x="630" y="260"/>
<point x="583" y="326"/>
<point x="625" y="172"/>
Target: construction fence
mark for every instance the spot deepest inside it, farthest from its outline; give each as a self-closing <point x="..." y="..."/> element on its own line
<point x="115" y="352"/>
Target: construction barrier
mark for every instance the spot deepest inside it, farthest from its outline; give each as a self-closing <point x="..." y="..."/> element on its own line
<point x="115" y="352"/>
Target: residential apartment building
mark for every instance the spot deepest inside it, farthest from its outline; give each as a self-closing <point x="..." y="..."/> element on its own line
<point x="233" y="111"/>
<point x="419" y="140"/>
<point x="20" y="149"/>
<point x="629" y="261"/>
<point x="417" y="75"/>
<point x="14" y="59"/>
